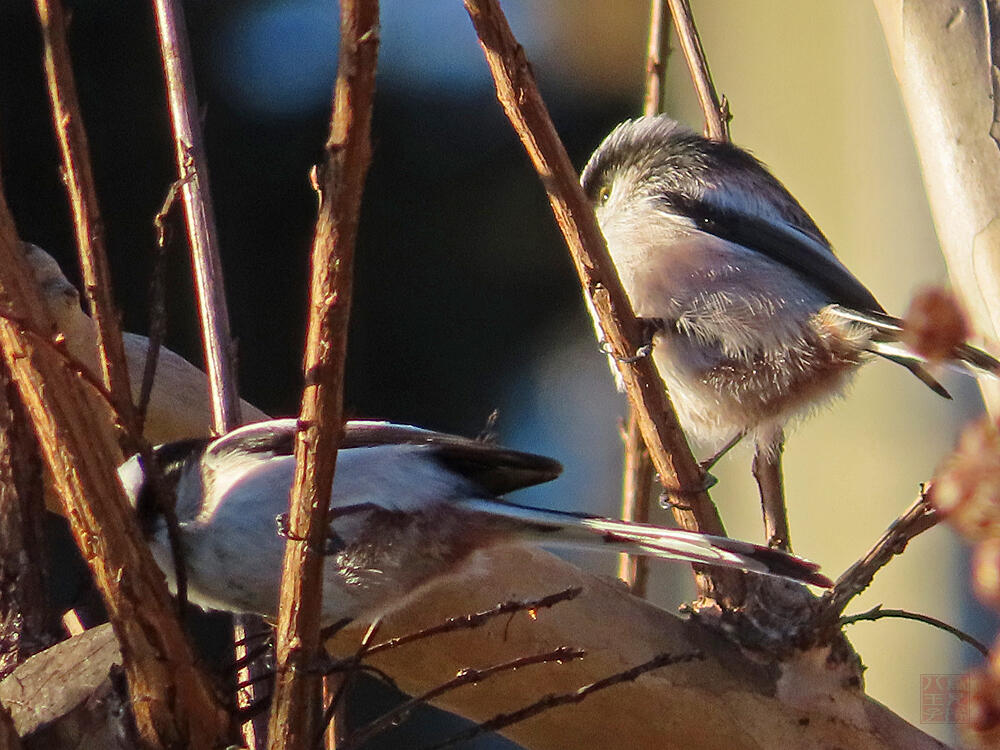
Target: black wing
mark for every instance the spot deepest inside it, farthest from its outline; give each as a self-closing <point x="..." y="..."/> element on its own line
<point x="497" y="470"/>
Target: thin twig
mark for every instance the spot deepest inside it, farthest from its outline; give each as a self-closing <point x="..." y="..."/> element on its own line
<point x="638" y="468"/>
<point x="919" y="517"/>
<point x="657" y="51"/>
<point x="206" y="262"/>
<point x="87" y="221"/>
<point x="157" y="295"/>
<point x="766" y="469"/>
<point x="478" y="619"/>
<point x="878" y="613"/>
<point x="94" y="263"/>
<point x="157" y="330"/>
<point x="668" y="448"/>
<point x="464" y="677"/>
<point x="637" y="482"/>
<point x="340" y="181"/>
<point x="716" y="111"/>
<point x="501" y="721"/>
<point x="199" y="214"/>
<point x="332" y="726"/>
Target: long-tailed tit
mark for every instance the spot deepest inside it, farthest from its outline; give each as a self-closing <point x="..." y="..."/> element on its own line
<point x="757" y="319"/>
<point x="408" y="507"/>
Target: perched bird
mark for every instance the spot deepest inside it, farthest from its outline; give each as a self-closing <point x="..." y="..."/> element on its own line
<point x="757" y="320"/>
<point x="408" y="506"/>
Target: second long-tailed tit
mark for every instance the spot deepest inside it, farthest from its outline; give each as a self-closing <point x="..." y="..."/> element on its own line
<point x="408" y="507"/>
<point x="757" y="320"/>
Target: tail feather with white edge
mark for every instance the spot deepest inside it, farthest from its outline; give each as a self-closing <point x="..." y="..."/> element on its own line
<point x="886" y="342"/>
<point x="594" y="532"/>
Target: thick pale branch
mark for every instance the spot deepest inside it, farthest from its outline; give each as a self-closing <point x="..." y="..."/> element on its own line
<point x="945" y="57"/>
<point x="805" y="703"/>
<point x="668" y="448"/>
<point x="341" y="183"/>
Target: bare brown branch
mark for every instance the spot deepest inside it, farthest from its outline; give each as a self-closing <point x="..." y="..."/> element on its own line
<point x="172" y="699"/>
<point x="668" y="448"/>
<point x="206" y="261"/>
<point x="86" y="212"/>
<point x="478" y="619"/>
<point x="637" y="483"/>
<point x="656" y="58"/>
<point x="199" y="214"/>
<point x="878" y="612"/>
<point x="467" y="676"/>
<point x="638" y="469"/>
<point x="716" y="112"/>
<point x="916" y="519"/>
<point x="552" y="701"/>
<point x="340" y="184"/>
<point x="26" y="624"/>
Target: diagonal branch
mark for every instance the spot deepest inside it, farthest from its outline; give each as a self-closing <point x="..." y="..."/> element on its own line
<point x="716" y="112"/>
<point x="340" y="182"/>
<point x="916" y="519"/>
<point x="668" y="448"/>
<point x="27" y="624"/>
<point x="549" y="702"/>
<point x="478" y="619"/>
<point x="173" y="702"/>
<point x="467" y="676"/>
<point x="87" y="221"/>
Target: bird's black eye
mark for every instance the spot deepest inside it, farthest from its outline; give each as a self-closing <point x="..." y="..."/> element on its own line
<point x="603" y="195"/>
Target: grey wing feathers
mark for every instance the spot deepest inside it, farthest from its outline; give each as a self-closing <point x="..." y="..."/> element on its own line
<point x="495" y="470"/>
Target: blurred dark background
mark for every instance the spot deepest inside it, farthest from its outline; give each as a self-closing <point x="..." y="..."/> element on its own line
<point x="459" y="263"/>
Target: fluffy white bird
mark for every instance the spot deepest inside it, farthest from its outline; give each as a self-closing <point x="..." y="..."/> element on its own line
<point x="408" y="506"/>
<point x="758" y="321"/>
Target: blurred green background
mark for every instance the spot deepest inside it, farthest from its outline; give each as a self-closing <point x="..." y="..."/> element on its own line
<point x="465" y="298"/>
